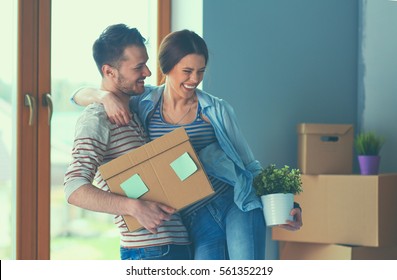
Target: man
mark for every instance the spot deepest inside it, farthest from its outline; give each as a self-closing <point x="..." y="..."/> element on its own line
<point x="121" y="57"/>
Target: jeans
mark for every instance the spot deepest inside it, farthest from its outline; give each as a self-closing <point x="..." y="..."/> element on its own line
<point x="163" y="252"/>
<point x="220" y="230"/>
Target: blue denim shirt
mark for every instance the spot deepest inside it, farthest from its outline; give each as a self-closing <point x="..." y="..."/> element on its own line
<point x="230" y="159"/>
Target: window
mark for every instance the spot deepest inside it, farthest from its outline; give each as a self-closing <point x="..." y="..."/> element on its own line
<point x="8" y="29"/>
<point x="92" y="235"/>
<point x="50" y="44"/>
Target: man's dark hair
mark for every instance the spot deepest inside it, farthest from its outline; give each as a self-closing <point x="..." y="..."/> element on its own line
<point x="110" y="46"/>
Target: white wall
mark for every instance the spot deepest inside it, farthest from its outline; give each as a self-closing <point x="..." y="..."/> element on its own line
<point x="187" y="14"/>
<point x="377" y="94"/>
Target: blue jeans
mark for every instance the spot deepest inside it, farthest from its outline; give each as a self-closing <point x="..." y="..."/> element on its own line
<point x="163" y="252"/>
<point x="220" y="230"/>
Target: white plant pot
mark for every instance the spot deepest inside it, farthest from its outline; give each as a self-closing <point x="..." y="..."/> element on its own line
<point x="276" y="208"/>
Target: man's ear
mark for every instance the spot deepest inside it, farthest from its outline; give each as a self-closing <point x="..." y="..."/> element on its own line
<point x="108" y="71"/>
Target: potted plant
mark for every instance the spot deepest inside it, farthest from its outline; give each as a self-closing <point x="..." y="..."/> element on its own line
<point x="276" y="187"/>
<point x="368" y="146"/>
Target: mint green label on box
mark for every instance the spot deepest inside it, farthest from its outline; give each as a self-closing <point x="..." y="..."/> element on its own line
<point x="134" y="187"/>
<point x="184" y="166"/>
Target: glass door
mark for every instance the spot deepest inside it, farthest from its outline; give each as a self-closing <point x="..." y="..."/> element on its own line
<point x="76" y="233"/>
<point x="8" y="58"/>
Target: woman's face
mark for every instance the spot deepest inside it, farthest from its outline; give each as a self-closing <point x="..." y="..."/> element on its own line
<point x="186" y="75"/>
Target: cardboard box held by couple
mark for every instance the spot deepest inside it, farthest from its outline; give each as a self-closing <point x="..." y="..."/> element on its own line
<point x="165" y="170"/>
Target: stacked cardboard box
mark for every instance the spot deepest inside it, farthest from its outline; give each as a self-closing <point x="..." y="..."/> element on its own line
<point x="354" y="210"/>
<point x="325" y="148"/>
<point x="313" y="251"/>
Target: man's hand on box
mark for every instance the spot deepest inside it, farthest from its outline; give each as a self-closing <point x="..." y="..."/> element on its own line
<point x="151" y="214"/>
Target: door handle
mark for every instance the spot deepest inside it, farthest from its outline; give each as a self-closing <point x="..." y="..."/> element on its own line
<point x="47" y="101"/>
<point x="30" y="102"/>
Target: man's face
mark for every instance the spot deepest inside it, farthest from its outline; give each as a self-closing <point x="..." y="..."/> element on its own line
<point x="132" y="71"/>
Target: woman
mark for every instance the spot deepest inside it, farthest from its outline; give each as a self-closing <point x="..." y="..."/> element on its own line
<point x="230" y="224"/>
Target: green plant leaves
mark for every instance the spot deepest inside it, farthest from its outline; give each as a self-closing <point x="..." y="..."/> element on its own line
<point x="367" y="143"/>
<point x="278" y="180"/>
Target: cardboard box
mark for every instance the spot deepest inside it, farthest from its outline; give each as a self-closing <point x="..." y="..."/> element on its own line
<point x="165" y="170"/>
<point x="346" y="209"/>
<point x="325" y="148"/>
<point x="312" y="251"/>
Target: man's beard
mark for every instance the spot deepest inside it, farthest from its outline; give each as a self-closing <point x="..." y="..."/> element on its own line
<point x="127" y="90"/>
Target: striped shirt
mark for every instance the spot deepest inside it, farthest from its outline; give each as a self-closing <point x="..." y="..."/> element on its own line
<point x="98" y="141"/>
<point x="201" y="134"/>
